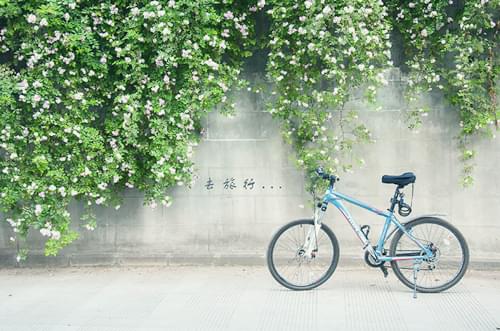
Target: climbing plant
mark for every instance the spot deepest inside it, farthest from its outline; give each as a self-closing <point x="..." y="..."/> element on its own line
<point x="320" y="53"/>
<point x="98" y="96"/>
<point x="451" y="46"/>
<point x="101" y="96"/>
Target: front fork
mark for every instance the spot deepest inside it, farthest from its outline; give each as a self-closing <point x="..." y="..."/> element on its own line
<point x="310" y="244"/>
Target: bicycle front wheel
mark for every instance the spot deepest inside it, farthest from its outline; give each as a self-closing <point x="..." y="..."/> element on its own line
<point x="451" y="255"/>
<point x="288" y="260"/>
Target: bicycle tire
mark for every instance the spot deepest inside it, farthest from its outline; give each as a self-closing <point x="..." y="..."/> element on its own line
<point x="333" y="265"/>
<point x="460" y="239"/>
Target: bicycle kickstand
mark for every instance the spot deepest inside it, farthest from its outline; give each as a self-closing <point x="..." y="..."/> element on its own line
<point x="416" y="269"/>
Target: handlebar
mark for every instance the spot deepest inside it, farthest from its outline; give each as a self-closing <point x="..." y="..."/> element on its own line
<point x="323" y="175"/>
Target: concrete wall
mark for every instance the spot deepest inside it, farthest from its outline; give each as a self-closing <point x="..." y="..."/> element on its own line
<point x="235" y="225"/>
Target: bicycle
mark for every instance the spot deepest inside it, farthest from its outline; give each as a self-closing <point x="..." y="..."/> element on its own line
<point x="426" y="244"/>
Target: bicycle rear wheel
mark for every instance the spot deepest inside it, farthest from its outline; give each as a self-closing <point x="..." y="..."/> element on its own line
<point x="451" y="255"/>
<point x="288" y="263"/>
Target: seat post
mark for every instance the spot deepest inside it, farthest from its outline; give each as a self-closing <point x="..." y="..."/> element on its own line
<point x="394" y="199"/>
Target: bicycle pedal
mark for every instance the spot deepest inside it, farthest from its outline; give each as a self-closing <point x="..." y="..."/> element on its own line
<point x="384" y="271"/>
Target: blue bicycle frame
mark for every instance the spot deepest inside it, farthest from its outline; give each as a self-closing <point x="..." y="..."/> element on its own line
<point x="336" y="198"/>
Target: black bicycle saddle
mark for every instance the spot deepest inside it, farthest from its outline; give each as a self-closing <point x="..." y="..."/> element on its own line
<point x="401" y="180"/>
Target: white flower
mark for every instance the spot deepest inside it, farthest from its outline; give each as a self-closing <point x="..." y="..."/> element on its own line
<point x="167" y="201"/>
<point x="124" y="99"/>
<point x="102" y="186"/>
<point x="56" y="235"/>
<point x="52" y="188"/>
<point x="308" y="4"/>
<point x="100" y="200"/>
<point x="113" y="9"/>
<point x="411" y="5"/>
<point x="261" y="4"/>
<point x="424" y="33"/>
<point x="86" y="172"/>
<point x="66" y="16"/>
<point x="44" y="22"/>
<point x="134" y="11"/>
<point x="229" y="15"/>
<point x="13" y="156"/>
<point x="171" y="3"/>
<point x="166" y="79"/>
<point x="212" y="64"/>
<point x="45" y="232"/>
<point x="78" y="96"/>
<point x="31" y="19"/>
<point x="361" y="67"/>
<point x="23" y="85"/>
<point x="37" y="98"/>
<point x="89" y="227"/>
<point x="103" y="60"/>
<point x="38" y="210"/>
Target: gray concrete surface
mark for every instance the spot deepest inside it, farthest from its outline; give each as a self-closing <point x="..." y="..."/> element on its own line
<point x="235" y="225"/>
<point x="235" y="298"/>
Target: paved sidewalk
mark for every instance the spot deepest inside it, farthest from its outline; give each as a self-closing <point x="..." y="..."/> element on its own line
<point x="235" y="298"/>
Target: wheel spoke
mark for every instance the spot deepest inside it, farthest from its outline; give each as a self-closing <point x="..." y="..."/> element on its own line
<point x="288" y="256"/>
<point x="447" y="265"/>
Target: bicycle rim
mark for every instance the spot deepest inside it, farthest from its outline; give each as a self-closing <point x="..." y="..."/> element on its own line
<point x="287" y="260"/>
<point x="451" y="256"/>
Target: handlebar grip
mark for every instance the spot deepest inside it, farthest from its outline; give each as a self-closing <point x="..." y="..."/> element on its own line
<point x="320" y="171"/>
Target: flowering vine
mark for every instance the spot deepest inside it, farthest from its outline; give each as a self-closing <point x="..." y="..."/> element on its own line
<point x="320" y="52"/>
<point x="102" y="96"/>
<point x="452" y="46"/>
